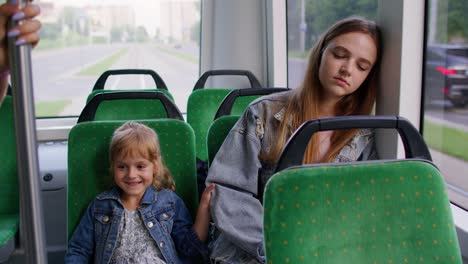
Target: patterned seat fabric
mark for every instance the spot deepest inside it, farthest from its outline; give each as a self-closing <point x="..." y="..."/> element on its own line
<point x="201" y="110"/>
<point x="217" y="132"/>
<point x="374" y="212"/>
<point x="88" y="162"/>
<point x="9" y="203"/>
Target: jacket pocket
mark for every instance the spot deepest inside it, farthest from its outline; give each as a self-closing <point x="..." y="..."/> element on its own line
<point x="102" y="224"/>
<point x="166" y="219"/>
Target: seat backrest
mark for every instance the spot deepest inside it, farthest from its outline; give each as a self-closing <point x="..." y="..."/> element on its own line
<point x="204" y="102"/>
<point x="370" y="212"/>
<point x="389" y="211"/>
<point x="9" y="198"/>
<point x="129" y="106"/>
<point x="88" y="162"/>
<point x="217" y="132"/>
<point x="201" y="110"/>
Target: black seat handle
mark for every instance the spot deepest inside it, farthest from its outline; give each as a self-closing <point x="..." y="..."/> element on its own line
<point x="254" y="83"/>
<point x="228" y="101"/>
<point x="89" y="110"/>
<point x="99" y="85"/>
<point x="293" y="151"/>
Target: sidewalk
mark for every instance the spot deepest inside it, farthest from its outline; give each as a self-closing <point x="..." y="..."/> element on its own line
<point x="440" y="121"/>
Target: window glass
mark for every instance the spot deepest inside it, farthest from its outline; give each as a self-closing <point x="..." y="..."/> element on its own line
<point x="445" y="126"/>
<point x="80" y="39"/>
<point x="307" y="19"/>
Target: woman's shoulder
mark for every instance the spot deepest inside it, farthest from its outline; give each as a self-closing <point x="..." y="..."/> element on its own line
<point x="271" y="103"/>
<point x="274" y="98"/>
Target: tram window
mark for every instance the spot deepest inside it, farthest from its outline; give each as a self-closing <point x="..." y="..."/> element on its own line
<point x="445" y="126"/>
<point x="307" y="19"/>
<point x="80" y="39"/>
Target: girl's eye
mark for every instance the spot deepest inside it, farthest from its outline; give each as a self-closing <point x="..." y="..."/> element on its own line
<point x="120" y="167"/>
<point x="141" y="166"/>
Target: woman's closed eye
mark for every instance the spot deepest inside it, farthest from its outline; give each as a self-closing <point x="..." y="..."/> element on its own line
<point x="364" y="66"/>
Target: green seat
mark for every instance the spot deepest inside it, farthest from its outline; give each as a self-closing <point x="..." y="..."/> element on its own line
<point x="389" y="211"/>
<point x="129" y="106"/>
<point x="203" y="103"/>
<point x="201" y="110"/>
<point x="9" y="198"/>
<point x="217" y="132"/>
<point x="88" y="162"/>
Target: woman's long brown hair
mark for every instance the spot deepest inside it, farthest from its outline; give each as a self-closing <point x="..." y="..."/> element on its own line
<point x="303" y="104"/>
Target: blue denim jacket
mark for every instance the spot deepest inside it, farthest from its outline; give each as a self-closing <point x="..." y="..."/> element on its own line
<point x="164" y="215"/>
<point x="239" y="175"/>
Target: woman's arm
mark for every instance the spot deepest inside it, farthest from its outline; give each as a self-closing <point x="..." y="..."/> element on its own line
<point x="235" y="208"/>
<point x="26" y="33"/>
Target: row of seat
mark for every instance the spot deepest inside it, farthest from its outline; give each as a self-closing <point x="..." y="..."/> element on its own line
<point x="204" y="106"/>
<point x="397" y="210"/>
<point x="389" y="208"/>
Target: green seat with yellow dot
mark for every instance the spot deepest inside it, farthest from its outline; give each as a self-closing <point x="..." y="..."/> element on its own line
<point x="217" y="132"/>
<point x="88" y="162"/>
<point x="203" y="103"/>
<point x="9" y="203"/>
<point x="386" y="211"/>
<point x="125" y="105"/>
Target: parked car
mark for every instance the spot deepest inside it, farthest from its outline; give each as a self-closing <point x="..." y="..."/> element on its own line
<point x="446" y="75"/>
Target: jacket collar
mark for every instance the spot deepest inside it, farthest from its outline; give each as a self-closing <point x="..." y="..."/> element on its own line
<point x="150" y="196"/>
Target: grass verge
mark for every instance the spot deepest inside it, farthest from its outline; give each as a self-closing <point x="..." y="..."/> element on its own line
<point x="51" y="108"/>
<point x="448" y="140"/>
<point x="102" y="66"/>
<point x="179" y="55"/>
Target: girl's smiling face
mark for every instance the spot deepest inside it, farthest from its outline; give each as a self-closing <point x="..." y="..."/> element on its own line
<point x="133" y="175"/>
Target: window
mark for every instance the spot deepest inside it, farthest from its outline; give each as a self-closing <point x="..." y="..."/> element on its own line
<point x="80" y="39"/>
<point x="445" y="126"/>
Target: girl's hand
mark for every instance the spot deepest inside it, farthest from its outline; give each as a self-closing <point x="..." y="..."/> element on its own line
<point x="25" y="33"/>
<point x="202" y="221"/>
<point x="206" y="196"/>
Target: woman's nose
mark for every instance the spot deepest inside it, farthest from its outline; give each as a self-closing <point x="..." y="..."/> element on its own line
<point x="345" y="69"/>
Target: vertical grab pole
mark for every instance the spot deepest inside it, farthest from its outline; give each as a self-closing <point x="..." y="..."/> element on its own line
<point x="32" y="234"/>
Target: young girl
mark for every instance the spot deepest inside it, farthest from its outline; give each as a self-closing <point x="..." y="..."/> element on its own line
<point x="340" y="80"/>
<point x="141" y="219"/>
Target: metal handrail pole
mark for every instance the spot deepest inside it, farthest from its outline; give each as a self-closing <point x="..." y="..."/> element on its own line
<point x="32" y="231"/>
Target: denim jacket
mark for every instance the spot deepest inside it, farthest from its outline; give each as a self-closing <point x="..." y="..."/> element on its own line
<point x="239" y="174"/>
<point x="164" y="215"/>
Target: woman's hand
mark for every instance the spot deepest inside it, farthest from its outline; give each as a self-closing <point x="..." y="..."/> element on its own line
<point x="25" y="33"/>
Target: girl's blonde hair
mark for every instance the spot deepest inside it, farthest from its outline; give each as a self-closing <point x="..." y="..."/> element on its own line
<point x="134" y="139"/>
<point x="303" y="104"/>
